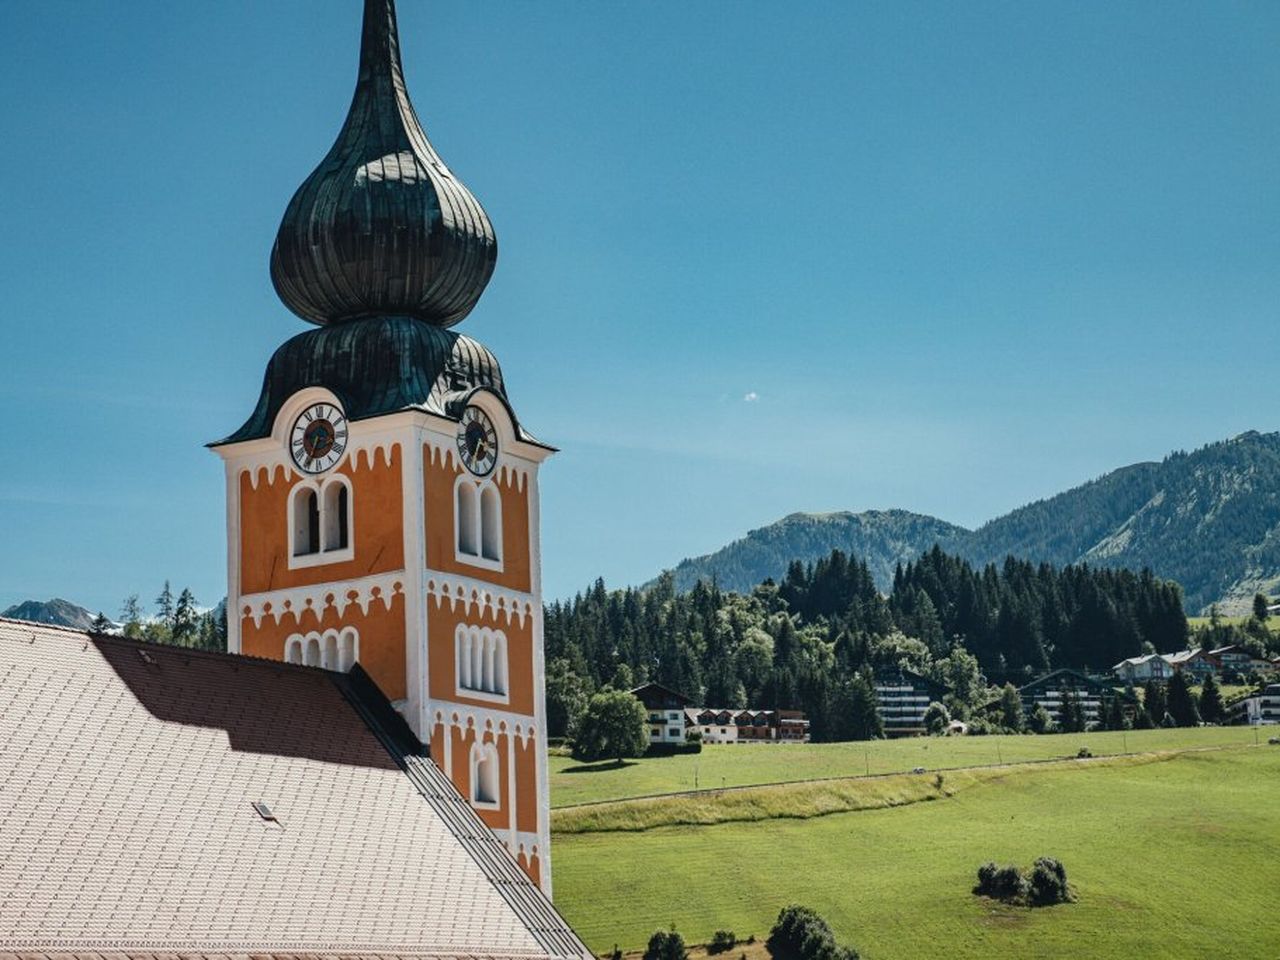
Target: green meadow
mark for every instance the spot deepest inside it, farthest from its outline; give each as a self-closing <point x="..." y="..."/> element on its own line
<point x="738" y="765"/>
<point x="1173" y="855"/>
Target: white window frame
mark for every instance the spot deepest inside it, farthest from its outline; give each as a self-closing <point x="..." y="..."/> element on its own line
<point x="337" y="650"/>
<point x="322" y="556"/>
<point x="485" y="753"/>
<point x="482" y="490"/>
<point x="494" y="658"/>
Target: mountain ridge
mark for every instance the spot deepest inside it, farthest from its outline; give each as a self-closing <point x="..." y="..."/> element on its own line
<point x="1209" y="519"/>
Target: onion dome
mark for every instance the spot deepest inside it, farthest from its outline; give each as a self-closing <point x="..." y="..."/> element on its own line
<point x="382" y="227"/>
<point x="375" y="366"/>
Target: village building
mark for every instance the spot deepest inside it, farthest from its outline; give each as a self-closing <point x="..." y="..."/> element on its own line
<point x="903" y="696"/>
<point x="665" y="709"/>
<point x="1049" y="691"/>
<point x="1197" y="663"/>
<point x="747" y="726"/>
<point x="1236" y="660"/>
<point x="1151" y="666"/>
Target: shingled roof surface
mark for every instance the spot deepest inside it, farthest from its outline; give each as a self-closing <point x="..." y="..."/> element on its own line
<point x="128" y="775"/>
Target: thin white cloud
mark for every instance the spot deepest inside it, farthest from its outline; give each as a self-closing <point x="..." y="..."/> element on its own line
<point x="751" y="396"/>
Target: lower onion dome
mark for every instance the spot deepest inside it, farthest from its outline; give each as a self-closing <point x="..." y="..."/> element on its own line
<point x="374" y="366"/>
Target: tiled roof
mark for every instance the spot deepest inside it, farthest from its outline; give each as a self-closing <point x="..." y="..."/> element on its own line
<point x="127" y="777"/>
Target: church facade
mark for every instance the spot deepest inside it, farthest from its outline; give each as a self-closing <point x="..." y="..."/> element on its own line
<point x="382" y="498"/>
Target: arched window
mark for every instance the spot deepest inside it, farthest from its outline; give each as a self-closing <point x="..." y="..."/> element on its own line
<point x="350" y="650"/>
<point x="478" y="515"/>
<point x="336" y="511"/>
<point x="306" y="522"/>
<point x="485" y="778"/>
<point x="332" y="650"/>
<point x="467" y="516"/>
<point x="320" y="518"/>
<point x="481" y="658"/>
<point x="330" y="661"/>
<point x="490" y="524"/>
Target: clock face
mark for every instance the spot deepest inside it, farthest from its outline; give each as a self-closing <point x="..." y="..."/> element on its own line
<point x="318" y="438"/>
<point x="477" y="442"/>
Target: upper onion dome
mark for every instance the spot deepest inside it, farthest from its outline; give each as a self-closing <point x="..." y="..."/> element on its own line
<point x="381" y="226"/>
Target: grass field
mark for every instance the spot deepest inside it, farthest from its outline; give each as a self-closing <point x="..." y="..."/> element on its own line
<point x="1177" y="857"/>
<point x="735" y="765"/>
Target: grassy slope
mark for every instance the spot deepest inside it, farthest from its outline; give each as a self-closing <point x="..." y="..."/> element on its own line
<point x="747" y="764"/>
<point x="1170" y="859"/>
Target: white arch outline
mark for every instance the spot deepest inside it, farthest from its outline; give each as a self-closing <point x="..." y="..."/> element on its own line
<point x="323" y="556"/>
<point x="486" y="492"/>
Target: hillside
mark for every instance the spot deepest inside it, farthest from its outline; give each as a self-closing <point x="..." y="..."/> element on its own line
<point x="1208" y="519"/>
<point x="61" y="613"/>
<point x="883" y="537"/>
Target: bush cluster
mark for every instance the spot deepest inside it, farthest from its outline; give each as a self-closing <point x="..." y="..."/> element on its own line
<point x="721" y="941"/>
<point x="666" y="945"/>
<point x="672" y="749"/>
<point x="800" y="934"/>
<point x="1045" y="885"/>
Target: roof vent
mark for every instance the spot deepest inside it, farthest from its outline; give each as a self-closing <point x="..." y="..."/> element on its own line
<point x="264" y="811"/>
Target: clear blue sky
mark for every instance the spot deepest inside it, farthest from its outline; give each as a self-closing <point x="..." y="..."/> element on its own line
<point x="958" y="256"/>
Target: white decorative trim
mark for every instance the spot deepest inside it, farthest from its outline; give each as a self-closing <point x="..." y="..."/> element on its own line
<point x="483" y="720"/>
<point x="315" y="598"/>
<point x="233" y="556"/>
<point x="529" y="844"/>
<point x="539" y="688"/>
<point x="478" y="596"/>
<point x="417" y="659"/>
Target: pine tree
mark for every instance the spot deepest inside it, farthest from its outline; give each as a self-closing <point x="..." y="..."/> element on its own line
<point x="1155" y="702"/>
<point x="164" y="606"/>
<point x="101" y="624"/>
<point x="185" y="619"/>
<point x="131" y="617"/>
<point x="1182" y="702"/>
<point x="1260" y="604"/>
<point x="1011" y="708"/>
<point x="1211" y="710"/>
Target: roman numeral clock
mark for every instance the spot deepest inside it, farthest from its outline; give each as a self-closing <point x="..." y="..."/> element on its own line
<point x="382" y="497"/>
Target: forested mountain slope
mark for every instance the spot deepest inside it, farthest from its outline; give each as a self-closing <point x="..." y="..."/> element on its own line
<point x="1208" y="519"/>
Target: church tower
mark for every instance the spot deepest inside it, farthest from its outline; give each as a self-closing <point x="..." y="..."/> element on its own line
<point x="382" y="499"/>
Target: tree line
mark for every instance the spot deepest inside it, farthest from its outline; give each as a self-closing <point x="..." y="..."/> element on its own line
<point x="178" y="621"/>
<point x="815" y="641"/>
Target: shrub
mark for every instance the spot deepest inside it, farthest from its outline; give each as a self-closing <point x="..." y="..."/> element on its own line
<point x="693" y="735"/>
<point x="666" y="945"/>
<point x="1048" y="884"/>
<point x="721" y="941"/>
<point x="1083" y="753"/>
<point x="1274" y="741"/>
<point x="1045" y="885"/>
<point x="800" y="934"/>
<point x="936" y="718"/>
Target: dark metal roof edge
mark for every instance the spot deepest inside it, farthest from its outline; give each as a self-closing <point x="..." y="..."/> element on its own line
<point x="533" y="908"/>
